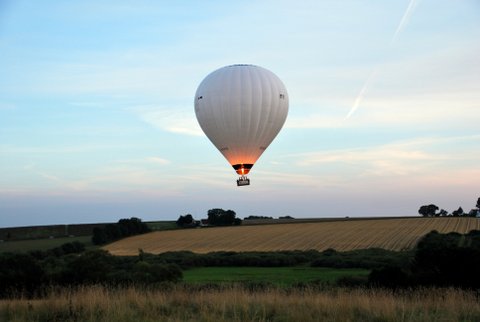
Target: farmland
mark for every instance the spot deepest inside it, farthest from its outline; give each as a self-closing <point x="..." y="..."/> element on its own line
<point x="391" y="234"/>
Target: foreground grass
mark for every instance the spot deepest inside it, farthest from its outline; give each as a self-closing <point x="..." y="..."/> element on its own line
<point x="98" y="303"/>
<point x="280" y="276"/>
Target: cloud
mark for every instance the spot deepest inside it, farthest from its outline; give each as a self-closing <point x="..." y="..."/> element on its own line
<point x="417" y="157"/>
<point x="179" y="121"/>
<point x="32" y="150"/>
<point x="313" y="121"/>
<point x="158" y="160"/>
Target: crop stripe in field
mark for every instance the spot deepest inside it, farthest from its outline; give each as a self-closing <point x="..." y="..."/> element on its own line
<point x="425" y="227"/>
<point x="447" y="224"/>
<point x="286" y="240"/>
<point x="418" y="230"/>
<point x="471" y="225"/>
<point x="396" y="238"/>
<point x="366" y="241"/>
<point x="379" y="241"/>
<point x="457" y="225"/>
<point x="410" y="234"/>
<point x="462" y="226"/>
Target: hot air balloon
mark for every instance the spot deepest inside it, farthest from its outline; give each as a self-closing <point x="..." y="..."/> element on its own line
<point x="241" y="108"/>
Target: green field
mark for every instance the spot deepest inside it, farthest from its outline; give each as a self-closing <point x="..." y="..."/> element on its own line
<point x="42" y="244"/>
<point x="162" y="225"/>
<point x="280" y="276"/>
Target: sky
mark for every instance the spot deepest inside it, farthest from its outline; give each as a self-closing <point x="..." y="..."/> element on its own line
<point x="97" y="120"/>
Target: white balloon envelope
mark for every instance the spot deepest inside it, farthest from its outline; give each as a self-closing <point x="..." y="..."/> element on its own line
<point x="241" y="109"/>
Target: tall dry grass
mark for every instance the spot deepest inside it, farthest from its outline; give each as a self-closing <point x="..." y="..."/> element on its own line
<point x="97" y="303"/>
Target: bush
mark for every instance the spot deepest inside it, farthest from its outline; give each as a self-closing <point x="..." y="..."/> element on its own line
<point x="390" y="277"/>
<point x="20" y="273"/>
<point x="362" y="258"/>
<point x="448" y="260"/>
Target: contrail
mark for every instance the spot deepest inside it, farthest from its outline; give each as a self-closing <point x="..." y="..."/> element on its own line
<point x="406" y="17"/>
<point x="362" y="92"/>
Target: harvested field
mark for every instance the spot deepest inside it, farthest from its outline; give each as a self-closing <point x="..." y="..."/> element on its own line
<point x="392" y="234"/>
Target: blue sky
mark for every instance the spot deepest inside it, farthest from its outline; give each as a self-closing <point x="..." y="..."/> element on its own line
<point x="97" y="120"/>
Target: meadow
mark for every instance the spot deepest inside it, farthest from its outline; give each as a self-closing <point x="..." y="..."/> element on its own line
<point x="278" y="276"/>
<point x="43" y="244"/>
<point x="236" y="303"/>
<point x="391" y="234"/>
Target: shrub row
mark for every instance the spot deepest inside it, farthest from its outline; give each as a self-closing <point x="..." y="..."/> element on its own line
<point x="28" y="274"/>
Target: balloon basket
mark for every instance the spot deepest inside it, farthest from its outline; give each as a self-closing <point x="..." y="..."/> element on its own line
<point x="243" y="181"/>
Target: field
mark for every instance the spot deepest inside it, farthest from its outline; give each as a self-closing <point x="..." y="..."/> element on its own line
<point x="391" y="234"/>
<point x="42" y="244"/>
<point x="49" y="231"/>
<point x="96" y="303"/>
<point x="279" y="276"/>
<point x="25" y="239"/>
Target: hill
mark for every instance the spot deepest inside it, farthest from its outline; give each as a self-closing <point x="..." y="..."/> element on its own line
<point x="391" y="234"/>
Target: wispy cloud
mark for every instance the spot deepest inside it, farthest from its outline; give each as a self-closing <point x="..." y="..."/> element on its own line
<point x="55" y="150"/>
<point x="180" y="121"/>
<point x="313" y="121"/>
<point x="158" y="160"/>
<point x="419" y="156"/>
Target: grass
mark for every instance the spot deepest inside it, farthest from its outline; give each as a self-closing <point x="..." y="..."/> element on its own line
<point x="162" y="225"/>
<point x="280" y="276"/>
<point x="390" y="234"/>
<point x="96" y="303"/>
<point x="42" y="244"/>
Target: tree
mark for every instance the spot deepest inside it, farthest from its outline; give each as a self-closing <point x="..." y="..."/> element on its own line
<point x="443" y="213"/>
<point x="220" y="217"/>
<point x="473" y="213"/>
<point x="185" y="221"/>
<point x="428" y="210"/>
<point x="132" y="226"/>
<point x="257" y="217"/>
<point x="478" y="203"/>
<point x="90" y="267"/>
<point x="449" y="259"/>
<point x="458" y="212"/>
<point x="124" y="228"/>
<point x="99" y="236"/>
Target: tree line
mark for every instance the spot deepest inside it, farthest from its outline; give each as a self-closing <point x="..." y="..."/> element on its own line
<point x="71" y="265"/>
<point x="124" y="228"/>
<point x="431" y="211"/>
<point x="218" y="217"/>
<point x="215" y="217"/>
